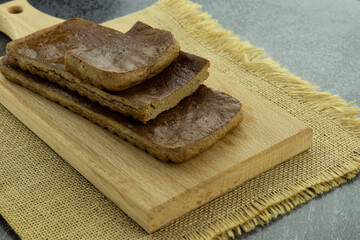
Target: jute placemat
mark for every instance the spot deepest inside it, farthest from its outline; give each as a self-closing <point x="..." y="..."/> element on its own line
<point x="42" y="197"/>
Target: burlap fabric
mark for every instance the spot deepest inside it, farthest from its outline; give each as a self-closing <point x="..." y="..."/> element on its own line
<point x="43" y="197"/>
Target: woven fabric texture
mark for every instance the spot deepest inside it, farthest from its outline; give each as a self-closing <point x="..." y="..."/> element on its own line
<point x="43" y="197"/>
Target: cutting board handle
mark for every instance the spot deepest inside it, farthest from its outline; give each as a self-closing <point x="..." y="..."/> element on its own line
<point x="18" y="19"/>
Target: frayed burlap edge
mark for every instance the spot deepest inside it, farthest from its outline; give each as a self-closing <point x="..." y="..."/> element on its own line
<point x="209" y="33"/>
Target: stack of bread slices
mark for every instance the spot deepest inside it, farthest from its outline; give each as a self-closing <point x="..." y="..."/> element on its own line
<point x="137" y="84"/>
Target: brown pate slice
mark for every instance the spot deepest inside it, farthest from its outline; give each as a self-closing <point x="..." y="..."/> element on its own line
<point x="177" y="135"/>
<point x="139" y="54"/>
<point x="42" y="53"/>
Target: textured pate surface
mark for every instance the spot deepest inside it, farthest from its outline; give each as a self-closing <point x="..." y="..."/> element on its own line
<point x="139" y="54"/>
<point x="49" y="45"/>
<point x="137" y="48"/>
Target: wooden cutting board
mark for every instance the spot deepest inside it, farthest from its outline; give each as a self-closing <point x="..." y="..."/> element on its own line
<point x="151" y="192"/>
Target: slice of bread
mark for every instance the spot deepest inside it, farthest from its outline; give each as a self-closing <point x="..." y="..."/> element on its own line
<point x="42" y="53"/>
<point x="177" y="135"/>
<point x="140" y="54"/>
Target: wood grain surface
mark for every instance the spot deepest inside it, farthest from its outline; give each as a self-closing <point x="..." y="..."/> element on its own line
<point x="151" y="192"/>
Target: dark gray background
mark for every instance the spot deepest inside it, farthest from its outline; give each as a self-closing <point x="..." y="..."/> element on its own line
<point x="318" y="40"/>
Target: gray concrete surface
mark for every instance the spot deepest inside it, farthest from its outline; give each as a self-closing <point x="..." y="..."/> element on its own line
<point x="317" y="40"/>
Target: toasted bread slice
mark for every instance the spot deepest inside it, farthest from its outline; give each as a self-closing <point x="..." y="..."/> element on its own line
<point x="177" y="135"/>
<point x="42" y="53"/>
<point x="140" y="54"/>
